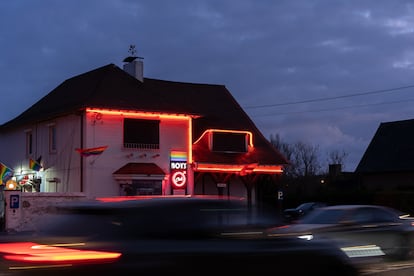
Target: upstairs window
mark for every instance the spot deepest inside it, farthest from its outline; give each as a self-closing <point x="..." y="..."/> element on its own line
<point x="229" y="142"/>
<point x="141" y="134"/>
<point x="29" y="143"/>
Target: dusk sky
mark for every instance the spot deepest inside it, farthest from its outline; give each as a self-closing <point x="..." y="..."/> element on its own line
<point x="322" y="72"/>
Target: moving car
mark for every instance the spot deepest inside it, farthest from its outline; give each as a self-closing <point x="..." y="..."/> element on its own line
<point x="360" y="230"/>
<point x="160" y="236"/>
<point x="292" y="214"/>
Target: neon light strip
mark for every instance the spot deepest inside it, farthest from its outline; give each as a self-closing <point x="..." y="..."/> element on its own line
<point x="277" y="169"/>
<point x="139" y="114"/>
<point x="190" y="141"/>
<point x="233" y="168"/>
<point x="228" y="131"/>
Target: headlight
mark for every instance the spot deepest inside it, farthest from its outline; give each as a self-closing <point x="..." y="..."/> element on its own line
<point x="307" y="237"/>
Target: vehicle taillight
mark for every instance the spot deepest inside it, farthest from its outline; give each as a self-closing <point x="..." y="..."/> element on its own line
<point x="33" y="252"/>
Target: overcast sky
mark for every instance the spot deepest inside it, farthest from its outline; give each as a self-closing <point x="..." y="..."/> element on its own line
<point x="322" y="72"/>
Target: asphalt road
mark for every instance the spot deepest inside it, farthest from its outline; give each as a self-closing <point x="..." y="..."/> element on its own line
<point x="382" y="268"/>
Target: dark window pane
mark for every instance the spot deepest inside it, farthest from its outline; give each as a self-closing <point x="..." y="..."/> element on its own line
<point x="141" y="133"/>
<point x="232" y="142"/>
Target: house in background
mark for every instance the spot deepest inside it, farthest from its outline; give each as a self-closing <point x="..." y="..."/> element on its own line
<point x="112" y="132"/>
<point x="388" y="162"/>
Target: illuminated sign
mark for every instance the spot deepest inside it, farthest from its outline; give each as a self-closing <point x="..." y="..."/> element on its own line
<point x="14" y="201"/>
<point x="178" y="169"/>
<point x="179" y="179"/>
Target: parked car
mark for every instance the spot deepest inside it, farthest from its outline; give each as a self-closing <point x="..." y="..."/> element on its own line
<point x="360" y="230"/>
<point x="160" y="236"/>
<point x="292" y="214"/>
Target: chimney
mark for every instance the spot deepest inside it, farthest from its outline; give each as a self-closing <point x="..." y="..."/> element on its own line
<point x="134" y="65"/>
<point x="335" y="170"/>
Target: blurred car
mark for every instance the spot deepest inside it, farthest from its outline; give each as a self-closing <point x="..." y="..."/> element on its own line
<point x="156" y="236"/>
<point x="292" y="214"/>
<point x="360" y="230"/>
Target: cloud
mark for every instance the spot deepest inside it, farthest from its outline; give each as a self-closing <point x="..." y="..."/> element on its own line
<point x="264" y="52"/>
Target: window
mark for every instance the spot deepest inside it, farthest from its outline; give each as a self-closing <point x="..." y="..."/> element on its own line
<point x="52" y="138"/>
<point x="29" y="142"/>
<point x="147" y="187"/>
<point x="141" y="134"/>
<point x="229" y="142"/>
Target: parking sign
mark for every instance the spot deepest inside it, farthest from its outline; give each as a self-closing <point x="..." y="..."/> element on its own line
<point x="14" y="201"/>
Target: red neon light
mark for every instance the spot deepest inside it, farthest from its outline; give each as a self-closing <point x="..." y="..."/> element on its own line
<point x="276" y="169"/>
<point x="238" y="168"/>
<point x="139" y="114"/>
<point x="190" y="141"/>
<point x="208" y="131"/>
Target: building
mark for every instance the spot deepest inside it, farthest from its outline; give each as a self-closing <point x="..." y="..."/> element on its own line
<point x="388" y="163"/>
<point x="111" y="132"/>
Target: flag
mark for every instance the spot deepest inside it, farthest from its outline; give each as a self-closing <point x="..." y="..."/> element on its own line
<point x="91" y="151"/>
<point x="35" y="164"/>
<point x="5" y="173"/>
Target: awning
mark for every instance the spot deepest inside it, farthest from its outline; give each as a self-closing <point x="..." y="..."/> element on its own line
<point x="139" y="171"/>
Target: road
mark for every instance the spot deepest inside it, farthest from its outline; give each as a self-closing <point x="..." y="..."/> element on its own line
<point x="382" y="268"/>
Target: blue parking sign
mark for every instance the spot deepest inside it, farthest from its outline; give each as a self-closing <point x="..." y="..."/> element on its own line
<point x="14" y="201"/>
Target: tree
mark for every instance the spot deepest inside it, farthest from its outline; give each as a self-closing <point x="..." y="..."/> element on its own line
<point x="337" y="157"/>
<point x="306" y="159"/>
<point x="303" y="158"/>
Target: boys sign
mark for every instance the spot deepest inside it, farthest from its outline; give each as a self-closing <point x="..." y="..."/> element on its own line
<point x="178" y="169"/>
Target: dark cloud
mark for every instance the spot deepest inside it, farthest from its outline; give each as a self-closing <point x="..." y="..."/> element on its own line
<point x="265" y="52"/>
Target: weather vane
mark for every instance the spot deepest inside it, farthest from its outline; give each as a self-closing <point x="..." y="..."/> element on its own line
<point x="133" y="54"/>
<point x="132" y="50"/>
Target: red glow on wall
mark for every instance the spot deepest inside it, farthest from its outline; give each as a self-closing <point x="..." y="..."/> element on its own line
<point x="149" y="115"/>
<point x="129" y="198"/>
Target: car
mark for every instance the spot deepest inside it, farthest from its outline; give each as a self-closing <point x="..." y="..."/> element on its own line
<point x="156" y="236"/>
<point x="292" y="214"/>
<point x="359" y="230"/>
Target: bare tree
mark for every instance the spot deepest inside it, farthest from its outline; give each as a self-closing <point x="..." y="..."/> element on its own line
<point x="306" y="159"/>
<point x="284" y="148"/>
<point x="337" y="157"/>
<point x="303" y="158"/>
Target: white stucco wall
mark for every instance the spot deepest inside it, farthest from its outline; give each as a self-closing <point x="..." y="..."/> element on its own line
<point x="32" y="208"/>
<point x="61" y="165"/>
<point x="62" y="168"/>
<point x="108" y="131"/>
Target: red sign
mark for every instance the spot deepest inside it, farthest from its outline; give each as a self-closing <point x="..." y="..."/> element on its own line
<point x="179" y="179"/>
<point x="178" y="171"/>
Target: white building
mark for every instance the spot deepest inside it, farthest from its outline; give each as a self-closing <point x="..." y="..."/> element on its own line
<point x="155" y="137"/>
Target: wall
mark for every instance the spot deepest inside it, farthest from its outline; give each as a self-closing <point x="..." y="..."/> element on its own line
<point x="388" y="181"/>
<point x="62" y="166"/>
<point x="108" y="131"/>
<point x="24" y="210"/>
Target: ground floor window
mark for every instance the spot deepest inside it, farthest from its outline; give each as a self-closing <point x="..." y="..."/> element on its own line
<point x="143" y="187"/>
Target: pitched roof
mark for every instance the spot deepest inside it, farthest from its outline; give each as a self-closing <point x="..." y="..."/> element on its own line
<point x="111" y="87"/>
<point x="390" y="150"/>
